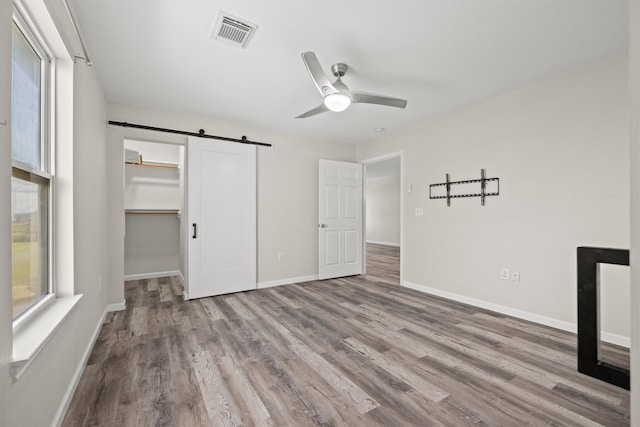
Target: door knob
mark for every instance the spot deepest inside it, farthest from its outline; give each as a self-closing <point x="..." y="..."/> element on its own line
<point x="323" y="225"/>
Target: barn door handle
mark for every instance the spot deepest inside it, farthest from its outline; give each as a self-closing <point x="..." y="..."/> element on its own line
<point x="195" y="230"/>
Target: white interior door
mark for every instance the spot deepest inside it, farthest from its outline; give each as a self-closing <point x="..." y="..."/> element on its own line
<point x="222" y="217"/>
<point x="340" y="219"/>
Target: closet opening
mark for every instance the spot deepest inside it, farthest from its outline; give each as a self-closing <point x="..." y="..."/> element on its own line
<point x="154" y="204"/>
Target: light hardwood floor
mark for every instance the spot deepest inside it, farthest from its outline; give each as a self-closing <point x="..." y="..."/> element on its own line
<point x="383" y="264"/>
<point x="354" y="351"/>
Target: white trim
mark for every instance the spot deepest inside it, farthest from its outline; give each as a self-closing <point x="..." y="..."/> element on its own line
<point x="382" y="157"/>
<point x="33" y="311"/>
<point x="634" y="114"/>
<point x="157" y="274"/>
<point x="183" y="282"/>
<point x="38" y="12"/>
<point x="73" y="384"/>
<point x="375" y="242"/>
<point x="616" y="339"/>
<point x="520" y="314"/>
<point x="119" y="306"/>
<point x="32" y="336"/>
<point x="289" y="281"/>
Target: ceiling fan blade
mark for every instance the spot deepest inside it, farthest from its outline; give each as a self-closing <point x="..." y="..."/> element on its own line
<point x="371" y="98"/>
<point x="317" y="75"/>
<point x="319" y="109"/>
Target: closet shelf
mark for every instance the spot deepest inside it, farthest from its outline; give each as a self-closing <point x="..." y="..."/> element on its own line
<point x="142" y="162"/>
<point x="152" y="211"/>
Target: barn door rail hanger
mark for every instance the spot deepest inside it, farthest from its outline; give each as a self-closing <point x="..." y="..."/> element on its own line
<point x="449" y="187"/>
<point x="201" y="133"/>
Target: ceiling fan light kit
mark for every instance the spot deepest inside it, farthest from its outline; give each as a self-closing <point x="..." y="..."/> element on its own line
<point x="337" y="96"/>
<point x="337" y="102"/>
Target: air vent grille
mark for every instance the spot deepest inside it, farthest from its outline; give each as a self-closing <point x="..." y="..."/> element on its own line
<point x="233" y="30"/>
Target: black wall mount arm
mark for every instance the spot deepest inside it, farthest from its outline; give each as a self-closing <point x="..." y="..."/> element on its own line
<point x="449" y="194"/>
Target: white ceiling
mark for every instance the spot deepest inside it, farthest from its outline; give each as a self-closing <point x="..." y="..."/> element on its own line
<point x="438" y="54"/>
<point x="384" y="168"/>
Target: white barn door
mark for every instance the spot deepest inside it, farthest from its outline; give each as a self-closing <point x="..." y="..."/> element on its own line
<point x="222" y="217"/>
<point x="340" y="219"/>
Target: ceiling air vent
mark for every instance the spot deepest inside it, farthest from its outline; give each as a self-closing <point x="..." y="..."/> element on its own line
<point x="233" y="30"/>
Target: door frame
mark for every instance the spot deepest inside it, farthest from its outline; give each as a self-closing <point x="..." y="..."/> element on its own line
<point x="634" y="93"/>
<point x="368" y="161"/>
<point x="183" y="276"/>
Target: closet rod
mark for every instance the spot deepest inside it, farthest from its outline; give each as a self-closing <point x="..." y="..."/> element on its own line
<point x="200" y="133"/>
<point x="152" y="165"/>
<point x="86" y="58"/>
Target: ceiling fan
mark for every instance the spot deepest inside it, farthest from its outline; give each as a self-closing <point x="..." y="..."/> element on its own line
<point x="337" y="96"/>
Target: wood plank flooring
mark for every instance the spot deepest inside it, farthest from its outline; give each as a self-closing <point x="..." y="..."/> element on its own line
<point x="615" y="354"/>
<point x="351" y="351"/>
<point x="383" y="263"/>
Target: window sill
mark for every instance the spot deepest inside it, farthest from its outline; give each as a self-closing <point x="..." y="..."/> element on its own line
<point x="30" y="338"/>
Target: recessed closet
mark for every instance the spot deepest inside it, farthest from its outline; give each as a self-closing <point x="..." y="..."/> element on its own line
<point x="154" y="184"/>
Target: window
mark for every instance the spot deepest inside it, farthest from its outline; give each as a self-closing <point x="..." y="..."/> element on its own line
<point x="31" y="181"/>
<point x="42" y="255"/>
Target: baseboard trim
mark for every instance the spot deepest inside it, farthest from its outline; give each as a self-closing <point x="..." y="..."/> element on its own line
<point x="183" y="282"/>
<point x="375" y="242"/>
<point x="520" y="314"/>
<point x="119" y="306"/>
<point x="154" y="275"/>
<point x="75" y="379"/>
<point x="616" y="339"/>
<point x="289" y="281"/>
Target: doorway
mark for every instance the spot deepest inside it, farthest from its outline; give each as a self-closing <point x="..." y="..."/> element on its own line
<point x="383" y="218"/>
<point x="153" y="201"/>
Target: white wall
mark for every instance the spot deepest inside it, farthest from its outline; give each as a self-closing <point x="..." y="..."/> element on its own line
<point x="615" y="281"/>
<point x="151" y="245"/>
<point x="34" y="399"/>
<point x="287" y="185"/>
<point x="560" y="148"/>
<point x="383" y="210"/>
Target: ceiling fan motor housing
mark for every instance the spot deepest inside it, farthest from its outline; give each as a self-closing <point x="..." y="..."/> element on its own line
<point x="339" y="69"/>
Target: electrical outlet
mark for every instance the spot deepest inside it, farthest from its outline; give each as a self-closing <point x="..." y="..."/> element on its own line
<point x="419" y="212"/>
<point x="410" y="188"/>
<point x="515" y="275"/>
<point x="280" y="257"/>
<point x="504" y="273"/>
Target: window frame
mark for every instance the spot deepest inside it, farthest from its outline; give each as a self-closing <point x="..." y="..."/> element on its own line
<point x="47" y="150"/>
